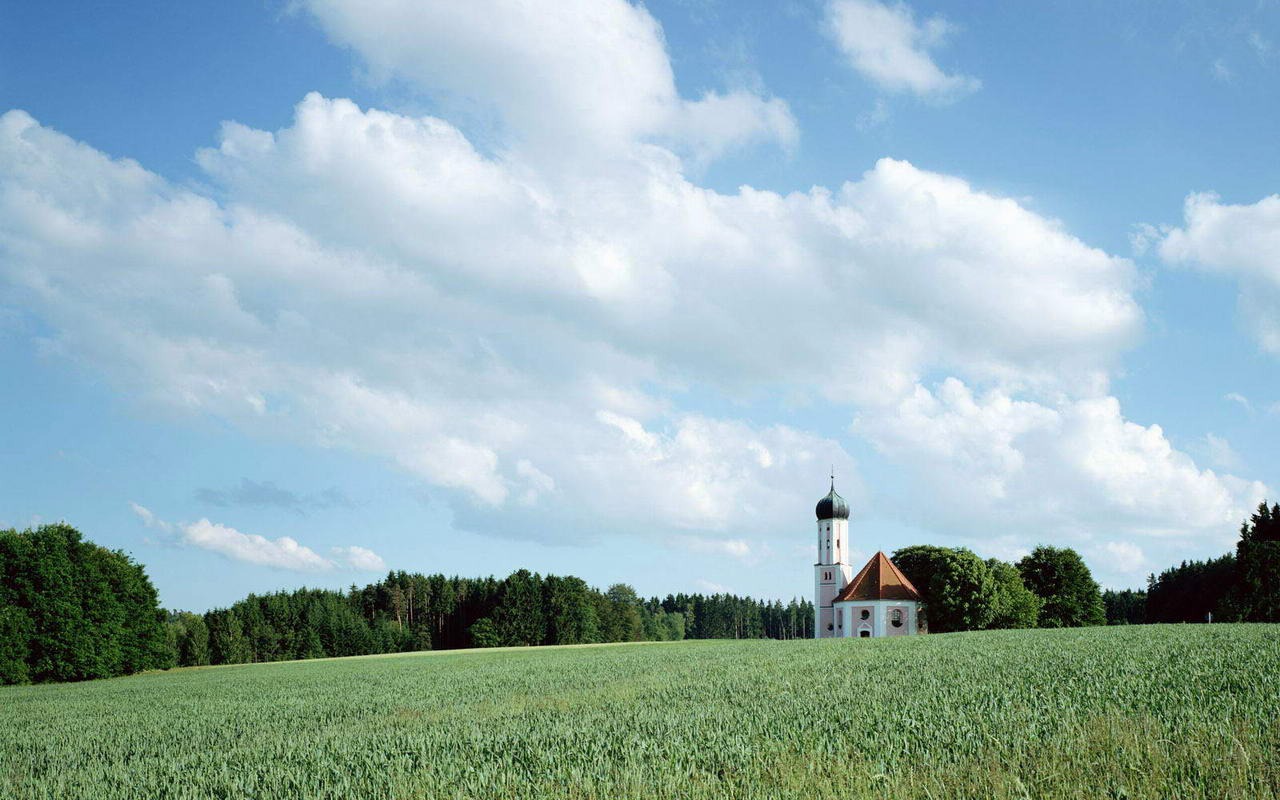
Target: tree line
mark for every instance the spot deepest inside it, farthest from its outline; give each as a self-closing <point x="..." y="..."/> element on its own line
<point x="411" y="611"/>
<point x="1050" y="588"/>
<point x="1240" y="586"/>
<point x="72" y="610"/>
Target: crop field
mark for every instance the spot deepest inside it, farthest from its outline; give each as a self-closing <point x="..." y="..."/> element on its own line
<point x="1143" y="712"/>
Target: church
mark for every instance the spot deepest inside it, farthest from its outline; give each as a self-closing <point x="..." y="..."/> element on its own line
<point x="878" y="601"/>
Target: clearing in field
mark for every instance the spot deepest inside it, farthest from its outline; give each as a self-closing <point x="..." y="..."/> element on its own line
<point x="1142" y="712"/>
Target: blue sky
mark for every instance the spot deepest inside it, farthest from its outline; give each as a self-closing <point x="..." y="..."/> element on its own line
<point x="293" y="293"/>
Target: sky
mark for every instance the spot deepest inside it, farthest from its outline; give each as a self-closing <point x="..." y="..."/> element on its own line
<point x="294" y="293"/>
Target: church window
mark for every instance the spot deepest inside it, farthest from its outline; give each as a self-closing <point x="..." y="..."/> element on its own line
<point x="830" y="626"/>
<point x="866" y="614"/>
<point x="896" y="618"/>
<point x="865" y="634"/>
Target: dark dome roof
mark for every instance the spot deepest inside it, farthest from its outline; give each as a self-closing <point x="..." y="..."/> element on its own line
<point x="832" y="506"/>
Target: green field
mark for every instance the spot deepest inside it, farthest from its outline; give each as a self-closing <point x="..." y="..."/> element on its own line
<point x="1159" y="711"/>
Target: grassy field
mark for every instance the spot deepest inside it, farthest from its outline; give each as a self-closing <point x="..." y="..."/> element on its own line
<point x="1144" y="712"/>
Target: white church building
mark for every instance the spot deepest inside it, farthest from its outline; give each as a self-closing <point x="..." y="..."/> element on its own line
<point x="878" y="601"/>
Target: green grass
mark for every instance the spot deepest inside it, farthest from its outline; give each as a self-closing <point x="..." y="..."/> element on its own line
<point x="1144" y="712"/>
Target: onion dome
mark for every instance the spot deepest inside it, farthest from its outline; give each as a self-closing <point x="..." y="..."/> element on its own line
<point x="832" y="506"/>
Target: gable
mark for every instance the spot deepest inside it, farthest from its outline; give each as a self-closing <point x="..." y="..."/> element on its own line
<point x="880" y="579"/>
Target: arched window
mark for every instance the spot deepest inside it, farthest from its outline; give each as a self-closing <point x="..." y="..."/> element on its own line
<point x="895" y="618"/>
<point x="866" y="614"/>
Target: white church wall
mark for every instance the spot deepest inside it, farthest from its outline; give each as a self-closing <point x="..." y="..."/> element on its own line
<point x="879" y="620"/>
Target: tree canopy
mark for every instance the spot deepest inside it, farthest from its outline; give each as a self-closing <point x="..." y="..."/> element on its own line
<point x="1059" y="576"/>
<point x="1013" y="604"/>
<point x="957" y="587"/>
<point x="71" y="610"/>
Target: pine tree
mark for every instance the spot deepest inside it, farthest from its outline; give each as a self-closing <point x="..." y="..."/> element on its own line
<point x="1255" y="596"/>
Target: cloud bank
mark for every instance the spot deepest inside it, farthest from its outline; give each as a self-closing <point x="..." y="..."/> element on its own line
<point x="538" y="331"/>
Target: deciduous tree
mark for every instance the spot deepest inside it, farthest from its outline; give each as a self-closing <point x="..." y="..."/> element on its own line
<point x="1059" y="576"/>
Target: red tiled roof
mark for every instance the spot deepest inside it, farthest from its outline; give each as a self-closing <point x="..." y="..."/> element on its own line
<point x="880" y="579"/>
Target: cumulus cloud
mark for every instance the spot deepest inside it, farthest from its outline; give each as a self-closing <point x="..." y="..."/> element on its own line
<point x="568" y="79"/>
<point x="1124" y="561"/>
<point x="260" y="309"/>
<point x="379" y="283"/>
<point x="1065" y="469"/>
<point x="359" y="558"/>
<point x="149" y="519"/>
<point x="1240" y="242"/>
<point x="890" y="48"/>
<point x="283" y="552"/>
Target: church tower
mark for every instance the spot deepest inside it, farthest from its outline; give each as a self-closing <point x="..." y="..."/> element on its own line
<point x="832" y="572"/>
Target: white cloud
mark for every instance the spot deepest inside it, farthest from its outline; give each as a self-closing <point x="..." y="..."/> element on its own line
<point x="1221" y="71"/>
<point x="994" y="465"/>
<point x="370" y="326"/>
<point x="1221" y="454"/>
<point x="1239" y="241"/>
<point x="1123" y="560"/>
<point x="720" y="123"/>
<point x="149" y="519"/>
<point x="1239" y="399"/>
<point x="359" y="558"/>
<point x="530" y="328"/>
<point x="889" y="47"/>
<point x="738" y="549"/>
<point x="711" y="587"/>
<point x="569" y="78"/>
<point x="282" y="553"/>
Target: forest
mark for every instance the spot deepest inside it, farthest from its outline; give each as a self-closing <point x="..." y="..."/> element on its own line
<point x="72" y="610"/>
<point x="1243" y="586"/>
<point x="410" y="611"/>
